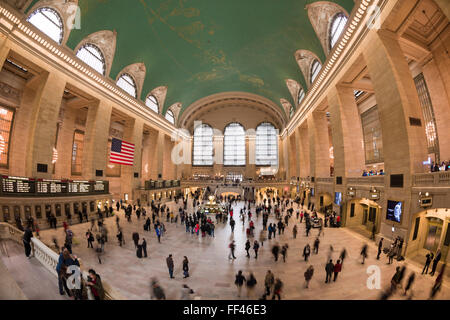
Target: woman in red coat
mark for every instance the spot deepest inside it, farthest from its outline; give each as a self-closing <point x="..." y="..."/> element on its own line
<point x="337" y="269"/>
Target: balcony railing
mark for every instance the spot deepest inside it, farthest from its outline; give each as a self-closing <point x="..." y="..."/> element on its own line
<point x="367" y="181"/>
<point x="432" y="179"/>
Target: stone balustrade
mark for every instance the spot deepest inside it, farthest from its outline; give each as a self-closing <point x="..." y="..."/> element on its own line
<point x="47" y="257"/>
<point x="325" y="180"/>
<point x="432" y="179"/>
<point x="367" y="181"/>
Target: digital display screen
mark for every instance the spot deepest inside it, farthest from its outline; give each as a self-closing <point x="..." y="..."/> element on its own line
<point x="338" y="198"/>
<point x="18" y="186"/>
<point x="394" y="211"/>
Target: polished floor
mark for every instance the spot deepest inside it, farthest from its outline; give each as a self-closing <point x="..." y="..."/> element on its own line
<point x="212" y="273"/>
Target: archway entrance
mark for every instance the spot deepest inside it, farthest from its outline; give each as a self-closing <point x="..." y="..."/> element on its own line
<point x="364" y="214"/>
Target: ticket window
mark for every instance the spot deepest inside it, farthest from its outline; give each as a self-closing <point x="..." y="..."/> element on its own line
<point x="76" y="207"/>
<point x="67" y="210"/>
<point x="84" y="205"/>
<point x="38" y="212"/>
<point x="92" y="206"/>
<point x="48" y="210"/>
<point x="6" y="216"/>
<point x="16" y="212"/>
<point x="27" y="212"/>
<point x="58" y="210"/>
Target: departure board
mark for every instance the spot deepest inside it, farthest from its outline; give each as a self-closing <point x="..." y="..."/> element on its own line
<point x="18" y="186"/>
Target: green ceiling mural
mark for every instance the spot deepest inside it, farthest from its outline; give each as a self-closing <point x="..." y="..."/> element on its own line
<point x="202" y="47"/>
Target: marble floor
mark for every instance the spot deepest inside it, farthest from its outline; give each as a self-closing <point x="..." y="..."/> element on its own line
<point x="212" y="273"/>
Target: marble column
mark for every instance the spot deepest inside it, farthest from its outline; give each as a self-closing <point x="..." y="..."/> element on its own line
<point x="96" y="140"/>
<point x="133" y="134"/>
<point x="160" y="155"/>
<point x="42" y="129"/>
<point x="303" y="146"/>
<point x="319" y="144"/>
<point x="347" y="135"/>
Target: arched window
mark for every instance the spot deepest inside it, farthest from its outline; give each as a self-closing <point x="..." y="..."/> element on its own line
<point x="266" y="145"/>
<point x="203" y="146"/>
<point x="127" y="83"/>
<point x="301" y="96"/>
<point x="315" y="69"/>
<point x="291" y="112"/>
<point x="170" y="117"/>
<point x="49" y="22"/>
<point x="152" y="103"/>
<point x="234" y="145"/>
<point x="93" y="57"/>
<point x="337" y="27"/>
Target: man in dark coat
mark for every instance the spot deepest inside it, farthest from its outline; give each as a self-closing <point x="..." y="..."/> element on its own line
<point x="329" y="269"/>
<point x="435" y="263"/>
<point x="27" y="241"/>
<point x="170" y="265"/>
<point x="427" y="263"/>
<point x="144" y="247"/>
<point x="380" y="247"/>
<point x="135" y="237"/>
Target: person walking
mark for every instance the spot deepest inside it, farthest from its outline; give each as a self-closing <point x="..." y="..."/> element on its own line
<point x="144" y="247"/>
<point x="156" y="291"/>
<point x="135" y="238"/>
<point x="284" y="251"/>
<point x="429" y="257"/>
<point x="435" y="262"/>
<point x="170" y="265"/>
<point x="364" y="253"/>
<point x="337" y="269"/>
<point x="380" y="247"/>
<point x="329" y="268"/>
<point x="276" y="251"/>
<point x="294" y="231"/>
<point x="277" y="289"/>
<point x="269" y="280"/>
<point x="232" y="223"/>
<point x="26" y="239"/>
<point x="342" y="256"/>
<point x="308" y="275"/>
<point x="232" y="247"/>
<point x="409" y="283"/>
<point x="316" y="245"/>
<point x="306" y="252"/>
<point x="185" y="268"/>
<point x="256" y="248"/>
<point x="239" y="282"/>
<point x="262" y="237"/>
<point x="251" y="283"/>
<point x="247" y="248"/>
<point x="438" y="283"/>
<point x="158" y="233"/>
<point x="90" y="239"/>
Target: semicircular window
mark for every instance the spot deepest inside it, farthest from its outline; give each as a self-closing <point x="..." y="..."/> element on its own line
<point x="315" y="70"/>
<point x="49" y="22"/>
<point x="336" y="28"/>
<point x="152" y="103"/>
<point x="301" y="96"/>
<point x="93" y="57"/>
<point x="170" y="117"/>
<point x="127" y="84"/>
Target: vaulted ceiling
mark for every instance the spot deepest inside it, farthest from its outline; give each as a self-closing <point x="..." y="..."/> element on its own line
<point x="198" y="48"/>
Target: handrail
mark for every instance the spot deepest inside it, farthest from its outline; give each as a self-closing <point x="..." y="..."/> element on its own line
<point x="47" y="257"/>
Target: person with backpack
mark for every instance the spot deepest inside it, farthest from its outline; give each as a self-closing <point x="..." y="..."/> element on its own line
<point x="277" y="289"/>
<point x="239" y="282"/>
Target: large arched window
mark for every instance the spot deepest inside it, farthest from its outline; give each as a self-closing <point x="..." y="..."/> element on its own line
<point x="127" y="83"/>
<point x="301" y="96"/>
<point x="234" y="145"/>
<point x="203" y="146"/>
<point x="49" y="22"/>
<point x="337" y="27"/>
<point x="315" y="69"/>
<point x="152" y="103"/>
<point x="170" y="117"/>
<point x="266" y="145"/>
<point x="93" y="57"/>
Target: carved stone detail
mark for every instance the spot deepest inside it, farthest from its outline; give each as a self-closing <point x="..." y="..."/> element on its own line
<point x="10" y="93"/>
<point x="286" y="106"/>
<point x="20" y="5"/>
<point x="137" y="71"/>
<point x="105" y="40"/>
<point x="294" y="89"/>
<point x="160" y="95"/>
<point x="304" y="60"/>
<point x="320" y="14"/>
<point x="176" y="108"/>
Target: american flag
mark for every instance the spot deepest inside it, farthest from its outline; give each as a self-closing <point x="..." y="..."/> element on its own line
<point x="122" y="152"/>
